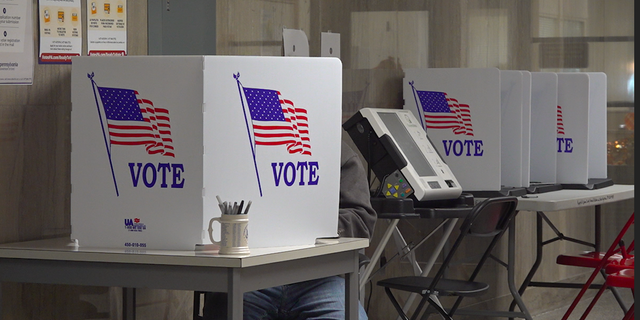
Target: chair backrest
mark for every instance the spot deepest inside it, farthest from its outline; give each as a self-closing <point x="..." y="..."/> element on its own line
<point x="490" y="217"/>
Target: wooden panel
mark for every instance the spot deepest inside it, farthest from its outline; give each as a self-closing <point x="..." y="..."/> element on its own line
<point x="35" y="146"/>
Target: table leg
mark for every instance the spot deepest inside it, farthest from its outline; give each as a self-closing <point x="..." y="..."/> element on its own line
<point x="378" y="252"/>
<point x="597" y="231"/>
<point x="234" y="295"/>
<point x="404" y="251"/>
<point x="536" y="263"/>
<point x="510" y="269"/>
<point x="351" y="291"/>
<point x="128" y="303"/>
<point x="448" y="228"/>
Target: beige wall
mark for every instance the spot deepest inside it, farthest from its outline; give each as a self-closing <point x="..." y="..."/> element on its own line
<point x="378" y="39"/>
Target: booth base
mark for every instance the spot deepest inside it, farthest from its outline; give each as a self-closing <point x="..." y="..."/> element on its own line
<point x="506" y="191"/>
<point x="543" y="187"/>
<point x="591" y="184"/>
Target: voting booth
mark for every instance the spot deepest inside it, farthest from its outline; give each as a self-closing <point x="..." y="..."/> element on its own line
<point x="156" y="139"/>
<point x="511" y="131"/>
<point x="477" y="121"/>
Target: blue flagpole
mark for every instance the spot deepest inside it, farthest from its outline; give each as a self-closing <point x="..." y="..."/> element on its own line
<point x="420" y="114"/>
<point x="93" y="86"/>
<point x="246" y="122"/>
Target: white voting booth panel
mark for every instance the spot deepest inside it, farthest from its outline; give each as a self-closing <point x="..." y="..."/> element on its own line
<point x="597" y="125"/>
<point x="512" y="128"/>
<point x="156" y="138"/>
<point x="581" y="129"/>
<point x="477" y="119"/>
<point x="544" y="113"/>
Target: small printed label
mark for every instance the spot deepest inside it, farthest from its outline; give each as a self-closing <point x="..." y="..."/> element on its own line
<point x="134" y="225"/>
<point x="135" y="244"/>
<point x="595" y="200"/>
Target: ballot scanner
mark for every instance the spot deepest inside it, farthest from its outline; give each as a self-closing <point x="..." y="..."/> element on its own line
<point x="400" y="154"/>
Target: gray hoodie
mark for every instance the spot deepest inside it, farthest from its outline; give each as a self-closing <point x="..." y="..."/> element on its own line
<point x="357" y="218"/>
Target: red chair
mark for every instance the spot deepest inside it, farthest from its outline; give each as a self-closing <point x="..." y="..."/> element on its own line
<point x="614" y="267"/>
<point x="616" y="255"/>
<point x="587" y="259"/>
<point x="622" y="278"/>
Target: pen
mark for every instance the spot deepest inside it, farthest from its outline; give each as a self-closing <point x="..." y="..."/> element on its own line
<point x="220" y="205"/>
<point x="247" y="209"/>
<point x="240" y="207"/>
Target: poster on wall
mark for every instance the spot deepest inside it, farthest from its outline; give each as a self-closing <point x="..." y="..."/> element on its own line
<point x="16" y="45"/>
<point x="107" y="27"/>
<point x="60" y="30"/>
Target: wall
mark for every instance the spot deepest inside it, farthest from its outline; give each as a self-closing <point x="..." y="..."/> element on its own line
<point x="378" y="39"/>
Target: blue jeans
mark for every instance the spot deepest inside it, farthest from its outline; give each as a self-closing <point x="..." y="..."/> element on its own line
<point x="314" y="299"/>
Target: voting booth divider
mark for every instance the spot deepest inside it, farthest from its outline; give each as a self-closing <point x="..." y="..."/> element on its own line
<point x="157" y="139"/>
<point x="582" y="128"/>
<point x="544" y="105"/>
<point x="507" y="131"/>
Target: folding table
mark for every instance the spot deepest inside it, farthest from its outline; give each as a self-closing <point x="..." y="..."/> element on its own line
<point x="56" y="261"/>
<point x="563" y="200"/>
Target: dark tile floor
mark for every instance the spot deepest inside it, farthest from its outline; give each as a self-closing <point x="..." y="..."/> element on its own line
<point x="607" y="308"/>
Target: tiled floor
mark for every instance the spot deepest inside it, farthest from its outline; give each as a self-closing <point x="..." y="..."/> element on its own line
<point x="607" y="308"/>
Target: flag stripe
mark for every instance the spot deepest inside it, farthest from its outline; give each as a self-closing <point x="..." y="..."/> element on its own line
<point x="559" y="121"/>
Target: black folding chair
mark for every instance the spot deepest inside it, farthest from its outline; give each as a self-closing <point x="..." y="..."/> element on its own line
<point x="489" y="218"/>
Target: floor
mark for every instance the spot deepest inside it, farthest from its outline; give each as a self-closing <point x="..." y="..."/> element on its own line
<point x="607" y="308"/>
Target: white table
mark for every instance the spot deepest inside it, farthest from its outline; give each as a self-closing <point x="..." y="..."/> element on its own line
<point x="563" y="200"/>
<point x="55" y="261"/>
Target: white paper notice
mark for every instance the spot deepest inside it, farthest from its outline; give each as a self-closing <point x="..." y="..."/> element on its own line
<point x="295" y="43"/>
<point x="107" y="27"/>
<point x="330" y="45"/>
<point x="16" y="42"/>
<point x="60" y="30"/>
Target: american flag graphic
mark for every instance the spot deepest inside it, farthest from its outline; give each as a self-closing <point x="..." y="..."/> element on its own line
<point x="442" y="112"/>
<point x="560" y="124"/>
<point x="133" y="121"/>
<point x="277" y="121"/>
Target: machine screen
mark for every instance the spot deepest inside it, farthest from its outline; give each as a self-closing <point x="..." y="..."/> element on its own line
<point x="406" y="144"/>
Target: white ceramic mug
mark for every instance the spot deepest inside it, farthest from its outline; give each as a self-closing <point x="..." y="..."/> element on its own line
<point x="234" y="234"/>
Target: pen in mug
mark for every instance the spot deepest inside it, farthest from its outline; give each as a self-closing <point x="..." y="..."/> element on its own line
<point x="247" y="209"/>
<point x="220" y="204"/>
<point x="226" y="208"/>
<point x="240" y="207"/>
